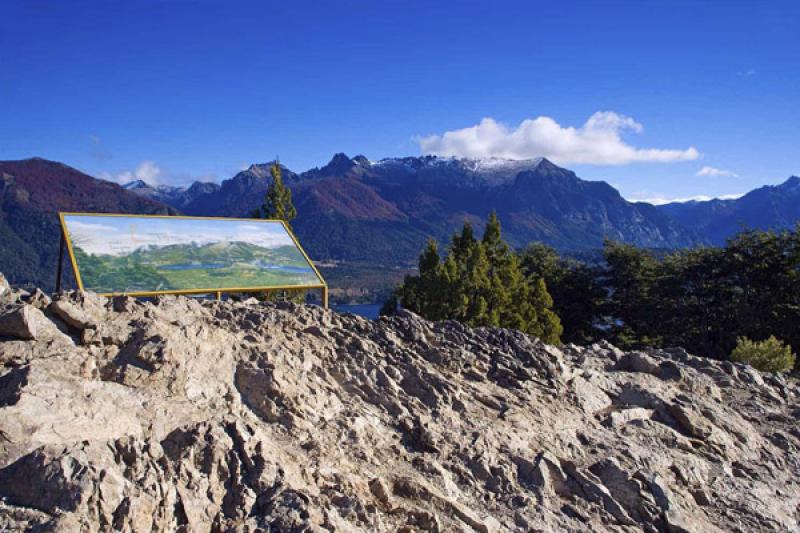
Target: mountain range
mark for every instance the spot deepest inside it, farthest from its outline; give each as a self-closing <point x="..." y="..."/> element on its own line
<point x="768" y="207"/>
<point x="384" y="210"/>
<point x="415" y="197"/>
<point x="32" y="191"/>
<point x="353" y="210"/>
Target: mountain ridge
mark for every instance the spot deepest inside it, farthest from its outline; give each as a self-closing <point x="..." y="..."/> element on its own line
<point x="409" y="199"/>
<point x="32" y="191"/>
<point x="381" y="212"/>
<point x="774" y="207"/>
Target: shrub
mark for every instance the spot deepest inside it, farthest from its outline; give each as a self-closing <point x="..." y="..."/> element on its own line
<point x="770" y="355"/>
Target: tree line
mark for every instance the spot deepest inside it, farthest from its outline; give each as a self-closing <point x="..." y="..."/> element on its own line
<point x="738" y="301"/>
<point x="481" y="283"/>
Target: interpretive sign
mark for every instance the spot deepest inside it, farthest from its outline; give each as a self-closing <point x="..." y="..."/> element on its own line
<point x="148" y="255"/>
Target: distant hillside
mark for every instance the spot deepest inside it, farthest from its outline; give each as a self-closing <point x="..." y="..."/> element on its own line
<point x="355" y="209"/>
<point x="768" y="207"/>
<point x="218" y="253"/>
<point x="235" y="197"/>
<point x="378" y="214"/>
<point x="32" y="191"/>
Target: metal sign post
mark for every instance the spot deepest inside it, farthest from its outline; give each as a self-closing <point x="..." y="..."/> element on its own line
<point x="61" y="245"/>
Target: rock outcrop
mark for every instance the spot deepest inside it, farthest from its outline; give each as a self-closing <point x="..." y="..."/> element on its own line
<point x="187" y="415"/>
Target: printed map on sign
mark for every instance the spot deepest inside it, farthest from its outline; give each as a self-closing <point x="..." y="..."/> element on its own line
<point x="142" y="254"/>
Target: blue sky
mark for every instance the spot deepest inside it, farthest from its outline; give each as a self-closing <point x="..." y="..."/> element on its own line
<point x="179" y="90"/>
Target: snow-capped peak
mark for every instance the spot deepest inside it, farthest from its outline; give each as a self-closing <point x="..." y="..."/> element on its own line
<point x="500" y="164"/>
<point x="136" y="184"/>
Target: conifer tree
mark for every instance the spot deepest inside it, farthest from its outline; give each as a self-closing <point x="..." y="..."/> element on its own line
<point x="278" y="199"/>
<point x="503" y="303"/>
<point x="545" y="324"/>
<point x="576" y="288"/>
<point x="480" y="283"/>
<point x="278" y="206"/>
<point x="463" y="243"/>
<point x="475" y="293"/>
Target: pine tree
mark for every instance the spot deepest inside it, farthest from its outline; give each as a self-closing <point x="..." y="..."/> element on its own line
<point x="496" y="248"/>
<point x="545" y="324"/>
<point x="278" y="206"/>
<point x="480" y="283"/>
<point x="463" y="243"/>
<point x="476" y="287"/>
<point x="278" y="199"/>
<point x="575" y="287"/>
<point x="502" y="282"/>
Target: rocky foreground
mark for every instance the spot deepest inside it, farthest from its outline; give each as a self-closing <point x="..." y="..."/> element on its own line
<point x="184" y="415"/>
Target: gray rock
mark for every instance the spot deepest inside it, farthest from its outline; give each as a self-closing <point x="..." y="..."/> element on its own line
<point x="71" y="314"/>
<point x="622" y="417"/>
<point x="179" y="415"/>
<point x="639" y="362"/>
<point x="5" y="290"/>
<point x="379" y="490"/>
<point x="38" y="299"/>
<point x="26" y="322"/>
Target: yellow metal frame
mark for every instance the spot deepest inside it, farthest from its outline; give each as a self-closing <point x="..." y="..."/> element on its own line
<point x="323" y="286"/>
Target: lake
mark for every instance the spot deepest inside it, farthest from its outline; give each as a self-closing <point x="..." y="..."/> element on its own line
<point x="366" y="310"/>
<point x="209" y="266"/>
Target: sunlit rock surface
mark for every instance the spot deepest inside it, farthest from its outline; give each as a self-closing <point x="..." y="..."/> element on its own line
<point x="183" y="415"/>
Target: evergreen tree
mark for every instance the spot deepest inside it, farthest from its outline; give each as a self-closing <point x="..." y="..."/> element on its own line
<point x="463" y="243"/>
<point x="500" y="272"/>
<point x="479" y="283"/>
<point x="476" y="287"/>
<point x="630" y="280"/>
<point x="278" y="206"/>
<point x="706" y="298"/>
<point x="545" y="323"/>
<point x="278" y="199"/>
<point x="576" y="290"/>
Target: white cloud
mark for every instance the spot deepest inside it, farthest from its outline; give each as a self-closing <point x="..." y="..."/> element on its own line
<point x="716" y="173"/>
<point x="599" y="141"/>
<point x="153" y="174"/>
<point x="147" y="171"/>
<point x="660" y="200"/>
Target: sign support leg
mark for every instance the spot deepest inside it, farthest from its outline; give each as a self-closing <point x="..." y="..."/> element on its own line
<point x="60" y="262"/>
<point x="325" y="296"/>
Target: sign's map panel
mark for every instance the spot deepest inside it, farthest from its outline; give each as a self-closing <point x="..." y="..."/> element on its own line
<point x="149" y="254"/>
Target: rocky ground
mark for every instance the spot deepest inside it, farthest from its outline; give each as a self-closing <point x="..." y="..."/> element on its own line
<point x="185" y="415"/>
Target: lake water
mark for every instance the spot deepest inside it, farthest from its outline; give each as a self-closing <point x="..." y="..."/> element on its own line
<point x="366" y="310"/>
<point x="209" y="266"/>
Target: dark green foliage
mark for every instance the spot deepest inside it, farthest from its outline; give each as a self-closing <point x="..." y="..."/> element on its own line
<point x="278" y="206"/>
<point x="770" y="355"/>
<point x="278" y="199"/>
<point x="705" y="298"/>
<point x="630" y="278"/>
<point x="702" y="299"/>
<point x="578" y="295"/>
<point x="480" y="283"/>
